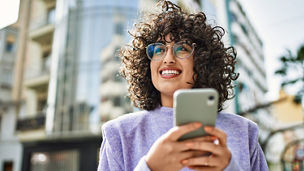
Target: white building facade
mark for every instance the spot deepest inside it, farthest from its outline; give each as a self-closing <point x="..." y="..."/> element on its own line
<point x="10" y="148"/>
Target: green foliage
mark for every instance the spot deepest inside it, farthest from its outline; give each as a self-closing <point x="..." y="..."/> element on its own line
<point x="293" y="65"/>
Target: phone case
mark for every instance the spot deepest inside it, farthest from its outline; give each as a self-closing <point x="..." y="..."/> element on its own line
<point x="195" y="105"/>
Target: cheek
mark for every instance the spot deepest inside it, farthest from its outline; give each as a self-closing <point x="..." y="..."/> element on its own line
<point x="153" y="69"/>
<point x="190" y="71"/>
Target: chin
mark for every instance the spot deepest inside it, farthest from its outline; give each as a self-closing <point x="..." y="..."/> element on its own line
<point x="169" y="90"/>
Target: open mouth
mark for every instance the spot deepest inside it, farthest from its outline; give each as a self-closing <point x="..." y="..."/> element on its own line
<point x="170" y="72"/>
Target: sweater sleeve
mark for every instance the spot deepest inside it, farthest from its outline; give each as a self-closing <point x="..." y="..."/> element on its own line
<point x="256" y="155"/>
<point x="258" y="161"/>
<point x="257" y="158"/>
<point x="110" y="160"/>
<point x="233" y="165"/>
<point x="111" y="152"/>
<point x="142" y="165"/>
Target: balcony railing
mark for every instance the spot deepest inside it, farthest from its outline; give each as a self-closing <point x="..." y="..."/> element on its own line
<point x="34" y="123"/>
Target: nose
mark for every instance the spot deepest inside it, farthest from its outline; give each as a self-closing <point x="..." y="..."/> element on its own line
<point x="169" y="57"/>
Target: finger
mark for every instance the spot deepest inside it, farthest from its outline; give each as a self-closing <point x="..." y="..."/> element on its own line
<point x="200" y="139"/>
<point x="218" y="133"/>
<point x="202" y="168"/>
<point x="176" y="132"/>
<point x="190" y="154"/>
<point x="206" y="146"/>
<point x="182" y="145"/>
<point x="209" y="161"/>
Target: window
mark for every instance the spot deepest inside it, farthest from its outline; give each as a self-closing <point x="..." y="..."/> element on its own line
<point x="57" y="160"/>
<point x="233" y="17"/>
<point x="8" y="166"/>
<point x="117" y="77"/>
<point x="244" y="29"/>
<point x="9" y="43"/>
<point x="235" y="38"/>
<point x="41" y="106"/>
<point x="117" y="101"/>
<point x="119" y="29"/>
<point x="9" y="46"/>
<point x="46" y="61"/>
<point x="51" y="15"/>
<point x="116" y="54"/>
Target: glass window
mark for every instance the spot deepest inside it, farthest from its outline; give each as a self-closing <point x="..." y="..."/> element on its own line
<point x="51" y="15"/>
<point x="233" y="16"/>
<point x="119" y="29"/>
<point x="117" y="101"/>
<point x="8" y="166"/>
<point x="67" y="160"/>
<point x="116" y="53"/>
<point x="244" y="29"/>
<point x="41" y="106"/>
<point x="117" y="77"/>
<point x="9" y="46"/>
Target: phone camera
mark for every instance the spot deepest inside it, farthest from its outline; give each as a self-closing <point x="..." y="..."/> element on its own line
<point x="211" y="97"/>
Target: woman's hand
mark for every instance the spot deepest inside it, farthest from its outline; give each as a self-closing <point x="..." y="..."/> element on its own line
<point x="167" y="153"/>
<point x="220" y="154"/>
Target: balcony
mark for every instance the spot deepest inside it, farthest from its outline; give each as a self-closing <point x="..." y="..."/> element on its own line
<point x="43" y="35"/>
<point x="50" y="3"/>
<point x="34" y="123"/>
<point x="31" y="129"/>
<point x="38" y="73"/>
<point x="42" y="28"/>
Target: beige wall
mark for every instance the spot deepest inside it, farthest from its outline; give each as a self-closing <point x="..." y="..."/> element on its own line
<point x="287" y="111"/>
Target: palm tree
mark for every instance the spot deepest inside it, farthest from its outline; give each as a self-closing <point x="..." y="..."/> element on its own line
<point x="292" y="71"/>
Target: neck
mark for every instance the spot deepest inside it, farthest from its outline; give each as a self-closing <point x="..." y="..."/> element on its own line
<point x="167" y="100"/>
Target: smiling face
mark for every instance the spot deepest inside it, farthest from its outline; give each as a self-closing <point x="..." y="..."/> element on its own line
<point x="170" y="74"/>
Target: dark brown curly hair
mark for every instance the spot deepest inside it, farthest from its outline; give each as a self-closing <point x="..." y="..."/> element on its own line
<point x="213" y="63"/>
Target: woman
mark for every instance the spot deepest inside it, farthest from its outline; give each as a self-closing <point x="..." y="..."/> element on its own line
<point x="174" y="50"/>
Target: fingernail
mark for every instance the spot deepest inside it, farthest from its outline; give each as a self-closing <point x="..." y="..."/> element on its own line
<point x="185" y="161"/>
<point x="208" y="128"/>
<point x="214" y="138"/>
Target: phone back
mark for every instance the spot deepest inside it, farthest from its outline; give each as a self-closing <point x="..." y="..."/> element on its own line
<point x="195" y="105"/>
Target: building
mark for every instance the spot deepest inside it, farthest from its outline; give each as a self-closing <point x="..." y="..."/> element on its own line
<point x="250" y="57"/>
<point x="287" y="140"/>
<point x="113" y="88"/>
<point x="251" y="87"/>
<point x="66" y="47"/>
<point x="10" y="148"/>
<point x="281" y="124"/>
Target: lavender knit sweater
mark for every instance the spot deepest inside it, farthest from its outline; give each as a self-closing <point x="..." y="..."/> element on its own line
<point x="127" y="139"/>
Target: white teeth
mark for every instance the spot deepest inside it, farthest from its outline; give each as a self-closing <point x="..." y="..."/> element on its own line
<point x="167" y="72"/>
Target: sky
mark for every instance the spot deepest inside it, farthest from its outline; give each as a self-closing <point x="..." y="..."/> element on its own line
<point x="8" y="12"/>
<point x="280" y="25"/>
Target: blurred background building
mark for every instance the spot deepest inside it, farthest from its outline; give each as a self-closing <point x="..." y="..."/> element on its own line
<point x="59" y="81"/>
<point x="10" y="147"/>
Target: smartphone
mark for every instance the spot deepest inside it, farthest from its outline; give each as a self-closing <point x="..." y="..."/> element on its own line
<point x="195" y="105"/>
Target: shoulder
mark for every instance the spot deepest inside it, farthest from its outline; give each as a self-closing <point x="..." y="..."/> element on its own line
<point x="237" y="126"/>
<point x="235" y="121"/>
<point x="124" y="122"/>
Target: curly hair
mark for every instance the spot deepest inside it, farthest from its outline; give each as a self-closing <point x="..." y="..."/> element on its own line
<point x="213" y="63"/>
